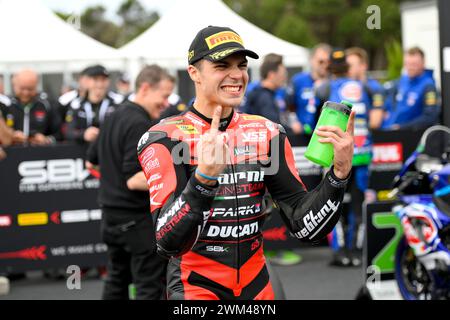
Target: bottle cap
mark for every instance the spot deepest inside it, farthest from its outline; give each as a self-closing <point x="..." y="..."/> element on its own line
<point x="348" y="104"/>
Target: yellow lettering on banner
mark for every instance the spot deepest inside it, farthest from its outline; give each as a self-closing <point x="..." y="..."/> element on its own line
<point x="32" y="219"/>
<point x="222" y="37"/>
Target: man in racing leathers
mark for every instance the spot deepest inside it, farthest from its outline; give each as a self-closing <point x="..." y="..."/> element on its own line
<point x="208" y="170"/>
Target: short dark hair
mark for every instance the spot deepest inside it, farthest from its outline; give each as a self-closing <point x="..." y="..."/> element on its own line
<point x="152" y="74"/>
<point x="270" y="63"/>
<point x="415" y="50"/>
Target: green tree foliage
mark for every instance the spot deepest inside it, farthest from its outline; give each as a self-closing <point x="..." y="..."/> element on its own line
<point x="394" y="56"/>
<point x="338" y="22"/>
<point x="134" y="20"/>
<point x="94" y="24"/>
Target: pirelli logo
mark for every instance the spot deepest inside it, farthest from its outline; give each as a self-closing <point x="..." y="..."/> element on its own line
<point x="223" y="37"/>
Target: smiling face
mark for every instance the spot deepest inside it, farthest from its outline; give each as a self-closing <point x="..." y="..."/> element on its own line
<point x="25" y="85"/>
<point x="156" y="97"/>
<point x="222" y="82"/>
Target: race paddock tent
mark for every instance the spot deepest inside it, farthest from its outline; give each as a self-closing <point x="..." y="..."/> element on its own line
<point x="34" y="37"/>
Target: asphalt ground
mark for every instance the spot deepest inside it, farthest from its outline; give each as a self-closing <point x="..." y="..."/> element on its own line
<point x="312" y="279"/>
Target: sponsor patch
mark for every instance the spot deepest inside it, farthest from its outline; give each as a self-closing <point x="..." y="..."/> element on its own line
<point x="314" y="221"/>
<point x="222" y="37"/>
<point x="187" y="128"/>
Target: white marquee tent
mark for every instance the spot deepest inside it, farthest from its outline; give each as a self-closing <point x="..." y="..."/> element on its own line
<point x="32" y="36"/>
<point x="167" y="41"/>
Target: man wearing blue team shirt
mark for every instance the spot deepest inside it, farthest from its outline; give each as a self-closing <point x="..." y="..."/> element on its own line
<point x="303" y="85"/>
<point x="412" y="102"/>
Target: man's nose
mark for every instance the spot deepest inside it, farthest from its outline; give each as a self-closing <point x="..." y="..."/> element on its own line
<point x="235" y="73"/>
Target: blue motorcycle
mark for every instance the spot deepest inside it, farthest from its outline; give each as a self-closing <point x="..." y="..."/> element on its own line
<point x="422" y="261"/>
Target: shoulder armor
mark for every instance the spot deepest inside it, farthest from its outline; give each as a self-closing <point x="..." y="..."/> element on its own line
<point x="148" y="138"/>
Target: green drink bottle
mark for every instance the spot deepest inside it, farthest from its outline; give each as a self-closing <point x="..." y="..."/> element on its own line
<point x="332" y="114"/>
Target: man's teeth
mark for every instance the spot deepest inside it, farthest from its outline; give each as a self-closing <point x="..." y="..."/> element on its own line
<point x="231" y="88"/>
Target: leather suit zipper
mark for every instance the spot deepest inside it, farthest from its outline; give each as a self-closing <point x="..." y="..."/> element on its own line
<point x="238" y="290"/>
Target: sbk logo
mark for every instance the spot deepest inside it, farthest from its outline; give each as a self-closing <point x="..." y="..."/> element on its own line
<point x="218" y="249"/>
<point x="52" y="171"/>
<point x="254" y="136"/>
<point x="387" y="153"/>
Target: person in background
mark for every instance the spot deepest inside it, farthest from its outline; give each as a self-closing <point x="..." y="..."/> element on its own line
<point x="123" y="85"/>
<point x="287" y="118"/>
<point x="74" y="96"/>
<point x="29" y="113"/>
<point x="412" y="102"/>
<point x="175" y="106"/>
<point x="358" y="63"/>
<point x="2" y="87"/>
<point x="84" y="119"/>
<point x="267" y="98"/>
<point x="303" y="84"/>
<point x="6" y="134"/>
<point x="127" y="226"/>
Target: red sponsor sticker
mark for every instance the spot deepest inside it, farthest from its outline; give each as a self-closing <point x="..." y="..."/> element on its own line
<point x="387" y="152"/>
<point x="39" y="114"/>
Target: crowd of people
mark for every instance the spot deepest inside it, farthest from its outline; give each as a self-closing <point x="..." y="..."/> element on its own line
<point x="28" y="117"/>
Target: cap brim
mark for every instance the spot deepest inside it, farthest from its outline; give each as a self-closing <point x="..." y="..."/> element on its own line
<point x="222" y="54"/>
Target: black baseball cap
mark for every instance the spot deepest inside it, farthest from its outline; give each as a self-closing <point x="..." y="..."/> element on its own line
<point x="216" y="43"/>
<point x="337" y="57"/>
<point x="96" y="70"/>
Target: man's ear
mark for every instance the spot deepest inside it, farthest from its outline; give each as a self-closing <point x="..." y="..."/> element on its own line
<point x="144" y="88"/>
<point x="193" y="73"/>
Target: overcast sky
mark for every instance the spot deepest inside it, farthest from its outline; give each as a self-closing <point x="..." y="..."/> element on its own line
<point x="77" y="6"/>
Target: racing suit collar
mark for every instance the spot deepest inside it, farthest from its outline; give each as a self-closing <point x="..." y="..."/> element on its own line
<point x="224" y="123"/>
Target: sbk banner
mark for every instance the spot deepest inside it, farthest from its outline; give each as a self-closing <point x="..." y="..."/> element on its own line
<point x="390" y="150"/>
<point x="49" y="217"/>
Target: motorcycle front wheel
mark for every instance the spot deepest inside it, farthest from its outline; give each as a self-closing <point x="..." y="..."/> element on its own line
<point x="413" y="279"/>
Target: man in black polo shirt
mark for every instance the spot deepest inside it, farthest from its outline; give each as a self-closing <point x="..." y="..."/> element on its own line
<point x="123" y="195"/>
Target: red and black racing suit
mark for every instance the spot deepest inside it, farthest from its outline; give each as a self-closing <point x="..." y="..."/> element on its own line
<point x="213" y="234"/>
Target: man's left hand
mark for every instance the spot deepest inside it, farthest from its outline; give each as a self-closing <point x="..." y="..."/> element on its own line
<point x="342" y="144"/>
<point x="40" y="139"/>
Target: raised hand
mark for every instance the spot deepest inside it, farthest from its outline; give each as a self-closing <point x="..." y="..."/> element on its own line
<point x="212" y="151"/>
<point x="342" y="144"/>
